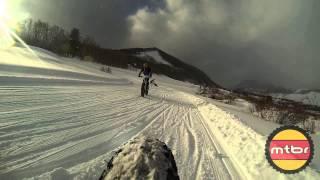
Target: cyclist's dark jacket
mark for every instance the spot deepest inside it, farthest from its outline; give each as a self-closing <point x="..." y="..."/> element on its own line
<point x="146" y="71"/>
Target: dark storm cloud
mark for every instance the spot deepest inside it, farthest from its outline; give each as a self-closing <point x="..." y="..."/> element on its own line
<point x="234" y="40"/>
<point x="231" y="40"/>
<point x="105" y="20"/>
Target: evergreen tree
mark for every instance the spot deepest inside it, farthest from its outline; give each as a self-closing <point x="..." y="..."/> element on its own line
<point x="75" y="42"/>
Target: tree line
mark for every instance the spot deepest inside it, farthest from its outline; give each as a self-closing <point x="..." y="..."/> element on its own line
<point x="71" y="44"/>
<point x="56" y="39"/>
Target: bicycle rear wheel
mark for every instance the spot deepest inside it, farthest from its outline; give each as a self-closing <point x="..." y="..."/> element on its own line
<point x="142" y="89"/>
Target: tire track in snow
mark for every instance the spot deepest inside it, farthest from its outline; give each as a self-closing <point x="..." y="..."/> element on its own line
<point x="180" y="128"/>
<point x="231" y="172"/>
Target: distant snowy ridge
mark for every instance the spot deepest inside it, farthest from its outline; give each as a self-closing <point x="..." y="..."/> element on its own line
<point x="305" y="96"/>
<point x="153" y="55"/>
<point x="310" y="97"/>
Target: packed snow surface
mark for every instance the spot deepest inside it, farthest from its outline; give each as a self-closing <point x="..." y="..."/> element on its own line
<point x="62" y="118"/>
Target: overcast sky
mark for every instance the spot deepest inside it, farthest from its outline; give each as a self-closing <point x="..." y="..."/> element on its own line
<point x="231" y="40"/>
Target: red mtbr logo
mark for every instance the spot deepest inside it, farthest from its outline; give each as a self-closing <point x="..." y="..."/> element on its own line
<point x="289" y="149"/>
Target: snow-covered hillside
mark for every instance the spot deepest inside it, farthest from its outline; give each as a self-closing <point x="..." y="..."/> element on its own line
<point x="153" y="56"/>
<point x="310" y="97"/>
<point x="63" y="118"/>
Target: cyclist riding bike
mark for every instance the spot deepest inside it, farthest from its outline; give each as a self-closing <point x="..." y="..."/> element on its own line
<point x="147" y="74"/>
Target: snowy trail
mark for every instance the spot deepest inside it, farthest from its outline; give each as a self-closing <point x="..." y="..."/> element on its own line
<point x="66" y="126"/>
<point x="63" y="122"/>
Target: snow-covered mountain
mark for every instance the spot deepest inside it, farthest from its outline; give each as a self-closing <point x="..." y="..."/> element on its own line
<point x="166" y="64"/>
<point x="255" y="86"/>
<point x="153" y="56"/>
<point x="311" y="97"/>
